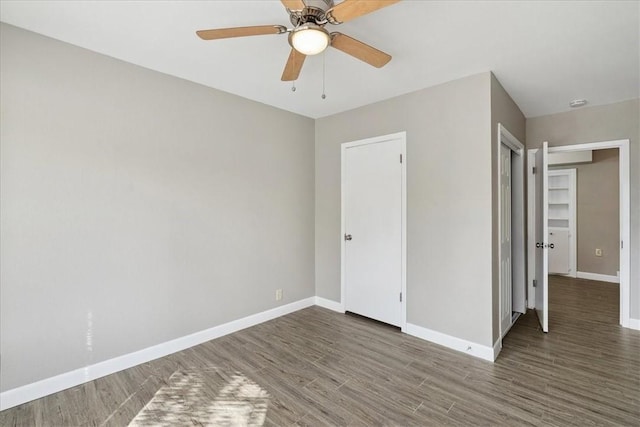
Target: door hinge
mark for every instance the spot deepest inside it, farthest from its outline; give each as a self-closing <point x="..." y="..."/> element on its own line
<point x="400" y="158"/>
<point x="535" y="283"/>
<point x="400" y="296"/>
<point x="621" y="244"/>
<point x="534" y="170"/>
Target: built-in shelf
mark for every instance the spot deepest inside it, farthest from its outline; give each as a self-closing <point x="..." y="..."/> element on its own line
<point x="561" y="221"/>
<point x="559" y="196"/>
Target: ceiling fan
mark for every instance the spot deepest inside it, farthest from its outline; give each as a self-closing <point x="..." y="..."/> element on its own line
<point x="309" y="36"/>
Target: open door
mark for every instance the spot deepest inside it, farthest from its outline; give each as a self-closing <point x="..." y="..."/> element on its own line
<point x="542" y="233"/>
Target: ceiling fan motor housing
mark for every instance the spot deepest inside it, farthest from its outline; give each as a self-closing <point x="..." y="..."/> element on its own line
<point x="314" y="12"/>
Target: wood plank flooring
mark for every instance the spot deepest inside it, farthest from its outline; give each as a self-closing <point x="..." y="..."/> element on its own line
<point x="323" y="368"/>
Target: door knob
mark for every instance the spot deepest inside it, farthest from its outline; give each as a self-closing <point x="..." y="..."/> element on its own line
<point x="538" y="245"/>
<point x="347" y="237"/>
<point x="551" y="245"/>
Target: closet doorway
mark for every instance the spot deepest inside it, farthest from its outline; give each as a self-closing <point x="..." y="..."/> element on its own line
<point x="511" y="246"/>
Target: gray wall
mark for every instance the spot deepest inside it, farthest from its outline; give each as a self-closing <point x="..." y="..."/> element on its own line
<point x="138" y="207"/>
<point x="598" y="212"/>
<point x="135" y="201"/>
<point x="449" y="224"/>
<point x="505" y="111"/>
<point x="601" y="123"/>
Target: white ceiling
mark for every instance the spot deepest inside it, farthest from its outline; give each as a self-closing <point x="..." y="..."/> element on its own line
<point x="545" y="53"/>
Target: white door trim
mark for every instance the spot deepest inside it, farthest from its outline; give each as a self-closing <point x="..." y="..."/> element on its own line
<point x="625" y="215"/>
<point x="402" y="136"/>
<point x="505" y="137"/>
<point x="518" y="240"/>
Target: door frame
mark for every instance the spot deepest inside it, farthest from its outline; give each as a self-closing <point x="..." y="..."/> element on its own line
<point x="518" y="271"/>
<point x="625" y="217"/>
<point x="402" y="136"/>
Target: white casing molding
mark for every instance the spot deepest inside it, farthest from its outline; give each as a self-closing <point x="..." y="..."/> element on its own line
<point x="454" y="343"/>
<point x="329" y="304"/>
<point x="597" y="276"/>
<point x="26" y="393"/>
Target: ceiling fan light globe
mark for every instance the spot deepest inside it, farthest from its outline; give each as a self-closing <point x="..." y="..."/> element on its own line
<point x="310" y="40"/>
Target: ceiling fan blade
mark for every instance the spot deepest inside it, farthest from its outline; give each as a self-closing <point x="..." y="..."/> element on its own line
<point x="293" y="4"/>
<point x="225" y="33"/>
<point x="293" y="67"/>
<point x="351" y="9"/>
<point x="357" y="49"/>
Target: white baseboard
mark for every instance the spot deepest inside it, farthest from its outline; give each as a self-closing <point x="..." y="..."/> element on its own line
<point x="26" y="393"/>
<point x="634" y="324"/>
<point x="467" y="347"/>
<point x="596" y="276"/>
<point x="329" y="304"/>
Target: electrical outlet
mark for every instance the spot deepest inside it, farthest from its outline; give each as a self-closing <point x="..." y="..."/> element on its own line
<point x="598" y="252"/>
<point x="278" y="294"/>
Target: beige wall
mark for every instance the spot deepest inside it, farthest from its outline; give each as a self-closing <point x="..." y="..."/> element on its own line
<point x="138" y="207"/>
<point x="135" y="201"/>
<point x="503" y="111"/>
<point x="601" y="123"/>
<point x="598" y="212"/>
<point x="449" y="224"/>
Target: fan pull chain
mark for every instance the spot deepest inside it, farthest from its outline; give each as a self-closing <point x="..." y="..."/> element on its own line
<point x="293" y="88"/>
<point x="324" y="56"/>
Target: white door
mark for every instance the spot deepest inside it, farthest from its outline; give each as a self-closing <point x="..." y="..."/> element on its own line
<point x="372" y="185"/>
<point x="542" y="233"/>
<point x="506" y="276"/>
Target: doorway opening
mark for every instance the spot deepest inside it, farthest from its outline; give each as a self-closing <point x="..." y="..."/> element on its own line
<point x="538" y="283"/>
<point x="511" y="247"/>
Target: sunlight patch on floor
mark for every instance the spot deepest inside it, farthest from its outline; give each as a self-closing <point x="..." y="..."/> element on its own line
<point x="190" y="398"/>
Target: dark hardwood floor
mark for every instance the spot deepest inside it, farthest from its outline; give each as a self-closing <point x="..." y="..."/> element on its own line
<point x="316" y="367"/>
